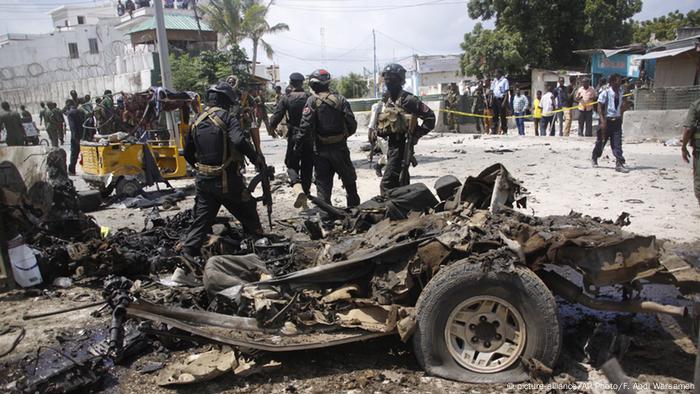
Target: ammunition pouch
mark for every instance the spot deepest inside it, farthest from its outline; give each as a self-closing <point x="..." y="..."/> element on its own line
<point x="208" y="170"/>
<point x="392" y="120"/>
<point x="332" y="139"/>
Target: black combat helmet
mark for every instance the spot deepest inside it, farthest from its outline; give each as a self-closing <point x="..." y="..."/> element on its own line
<point x="220" y="93"/>
<point x="395" y="69"/>
<point x="321" y="77"/>
<point x="296" y="77"/>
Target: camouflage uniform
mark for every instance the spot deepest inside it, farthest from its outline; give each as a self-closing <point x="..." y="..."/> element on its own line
<point x="451" y="102"/>
<point x="692" y="122"/>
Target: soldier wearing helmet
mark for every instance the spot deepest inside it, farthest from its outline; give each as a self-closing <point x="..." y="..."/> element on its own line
<point x="326" y="123"/>
<point x="394" y="120"/>
<point x="216" y="146"/>
<point x="300" y="165"/>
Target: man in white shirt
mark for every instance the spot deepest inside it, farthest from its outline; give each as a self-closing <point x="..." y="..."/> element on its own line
<point x="547" y="104"/>
<point x="499" y="105"/>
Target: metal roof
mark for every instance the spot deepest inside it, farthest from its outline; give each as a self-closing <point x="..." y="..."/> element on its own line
<point x="666" y="53"/>
<point x="172" y="22"/>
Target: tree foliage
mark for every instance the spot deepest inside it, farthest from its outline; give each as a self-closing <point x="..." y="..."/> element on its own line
<point x="546" y="31"/>
<point x="241" y="19"/>
<point x="199" y="71"/>
<point x="484" y="48"/>
<point x="664" y="27"/>
<point x="255" y="27"/>
<point x="351" y="86"/>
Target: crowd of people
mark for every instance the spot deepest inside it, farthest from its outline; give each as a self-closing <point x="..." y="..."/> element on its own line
<point x="318" y="125"/>
<point x="129" y="6"/>
<point x="79" y="115"/>
<point x="494" y="101"/>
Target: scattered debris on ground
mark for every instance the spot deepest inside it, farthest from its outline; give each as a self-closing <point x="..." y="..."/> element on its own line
<point x="358" y="274"/>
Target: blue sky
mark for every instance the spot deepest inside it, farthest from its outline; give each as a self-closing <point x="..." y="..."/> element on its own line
<point x="424" y="27"/>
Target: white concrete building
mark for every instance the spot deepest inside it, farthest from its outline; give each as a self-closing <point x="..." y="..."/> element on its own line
<point x="432" y="74"/>
<point x="90" y="49"/>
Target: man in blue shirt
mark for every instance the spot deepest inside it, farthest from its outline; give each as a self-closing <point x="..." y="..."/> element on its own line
<point x="499" y="104"/>
<point x="520" y="103"/>
<point x="611" y="106"/>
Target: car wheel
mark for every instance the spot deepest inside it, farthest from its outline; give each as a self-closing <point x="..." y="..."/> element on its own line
<point x="128" y="187"/>
<point x="479" y="325"/>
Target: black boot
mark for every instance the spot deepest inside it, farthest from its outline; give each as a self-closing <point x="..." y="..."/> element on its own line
<point x="378" y="170"/>
<point x="620" y="167"/>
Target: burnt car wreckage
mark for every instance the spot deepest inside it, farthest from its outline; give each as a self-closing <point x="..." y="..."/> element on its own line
<point x="468" y="280"/>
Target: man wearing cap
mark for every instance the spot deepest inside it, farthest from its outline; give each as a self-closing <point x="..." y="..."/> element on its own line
<point x="215" y="147"/>
<point x="300" y="165"/>
<point x="326" y="123"/>
<point x="394" y="121"/>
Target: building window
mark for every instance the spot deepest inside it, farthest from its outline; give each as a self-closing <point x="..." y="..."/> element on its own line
<point x="81" y="20"/>
<point x="93" y="46"/>
<point x="73" y="50"/>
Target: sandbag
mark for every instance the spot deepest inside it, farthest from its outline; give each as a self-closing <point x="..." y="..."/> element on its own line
<point x="223" y="272"/>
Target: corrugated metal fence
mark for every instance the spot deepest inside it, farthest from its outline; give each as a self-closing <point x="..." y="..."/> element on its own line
<point x="666" y="98"/>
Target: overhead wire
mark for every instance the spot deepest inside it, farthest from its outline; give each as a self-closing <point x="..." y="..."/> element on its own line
<point x="360" y="8"/>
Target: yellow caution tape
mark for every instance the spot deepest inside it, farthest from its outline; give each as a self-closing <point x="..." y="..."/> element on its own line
<point x="449" y="111"/>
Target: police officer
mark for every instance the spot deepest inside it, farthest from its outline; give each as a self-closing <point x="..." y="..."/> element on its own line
<point x="326" y="123"/>
<point x="216" y="146"/>
<point x="691" y="134"/>
<point x="398" y="105"/>
<point x="300" y="166"/>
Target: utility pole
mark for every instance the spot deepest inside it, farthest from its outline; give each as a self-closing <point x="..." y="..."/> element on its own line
<point x="164" y="61"/>
<point x="374" y="75"/>
<point x="196" y="17"/>
<point x="323" y="44"/>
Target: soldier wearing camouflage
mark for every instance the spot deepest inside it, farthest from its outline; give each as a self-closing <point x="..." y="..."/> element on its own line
<point x="399" y="106"/>
<point x="691" y="135"/>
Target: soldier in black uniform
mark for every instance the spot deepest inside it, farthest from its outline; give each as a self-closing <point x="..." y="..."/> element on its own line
<point x="300" y="166"/>
<point x="393" y="125"/>
<point x="216" y="146"/>
<point x="326" y="123"/>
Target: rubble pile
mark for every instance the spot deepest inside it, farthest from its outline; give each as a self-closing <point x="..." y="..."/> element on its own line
<point x="366" y="275"/>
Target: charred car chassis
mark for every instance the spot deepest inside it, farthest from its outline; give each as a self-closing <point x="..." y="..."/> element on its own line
<point x="471" y="284"/>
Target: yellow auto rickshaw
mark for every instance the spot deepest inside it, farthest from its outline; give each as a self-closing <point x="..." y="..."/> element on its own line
<point x="145" y="151"/>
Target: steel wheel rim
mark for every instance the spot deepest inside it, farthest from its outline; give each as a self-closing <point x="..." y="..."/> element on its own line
<point x="485" y="334"/>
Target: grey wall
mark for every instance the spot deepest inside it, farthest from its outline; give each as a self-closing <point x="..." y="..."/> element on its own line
<point x="656" y="124"/>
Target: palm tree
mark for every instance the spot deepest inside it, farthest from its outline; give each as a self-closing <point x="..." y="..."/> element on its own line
<point x="255" y="26"/>
<point x="224" y="16"/>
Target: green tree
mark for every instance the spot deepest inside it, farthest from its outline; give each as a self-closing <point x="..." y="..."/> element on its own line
<point x="484" y="48"/>
<point x="549" y="30"/>
<point x="351" y="86"/>
<point x="664" y="27"/>
<point x="241" y="19"/>
<point x="255" y="27"/>
<point x="198" y="72"/>
<point x="224" y="16"/>
<point x="187" y="72"/>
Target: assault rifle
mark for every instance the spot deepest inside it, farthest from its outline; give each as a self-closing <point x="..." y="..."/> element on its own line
<point x="404" y="176"/>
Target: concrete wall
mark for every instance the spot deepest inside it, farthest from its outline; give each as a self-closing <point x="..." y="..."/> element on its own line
<point x="660" y="124"/>
<point x="39" y="68"/>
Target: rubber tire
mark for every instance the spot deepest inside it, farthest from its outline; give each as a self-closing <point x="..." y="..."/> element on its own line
<point x="128" y="187"/>
<point x="464" y="279"/>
